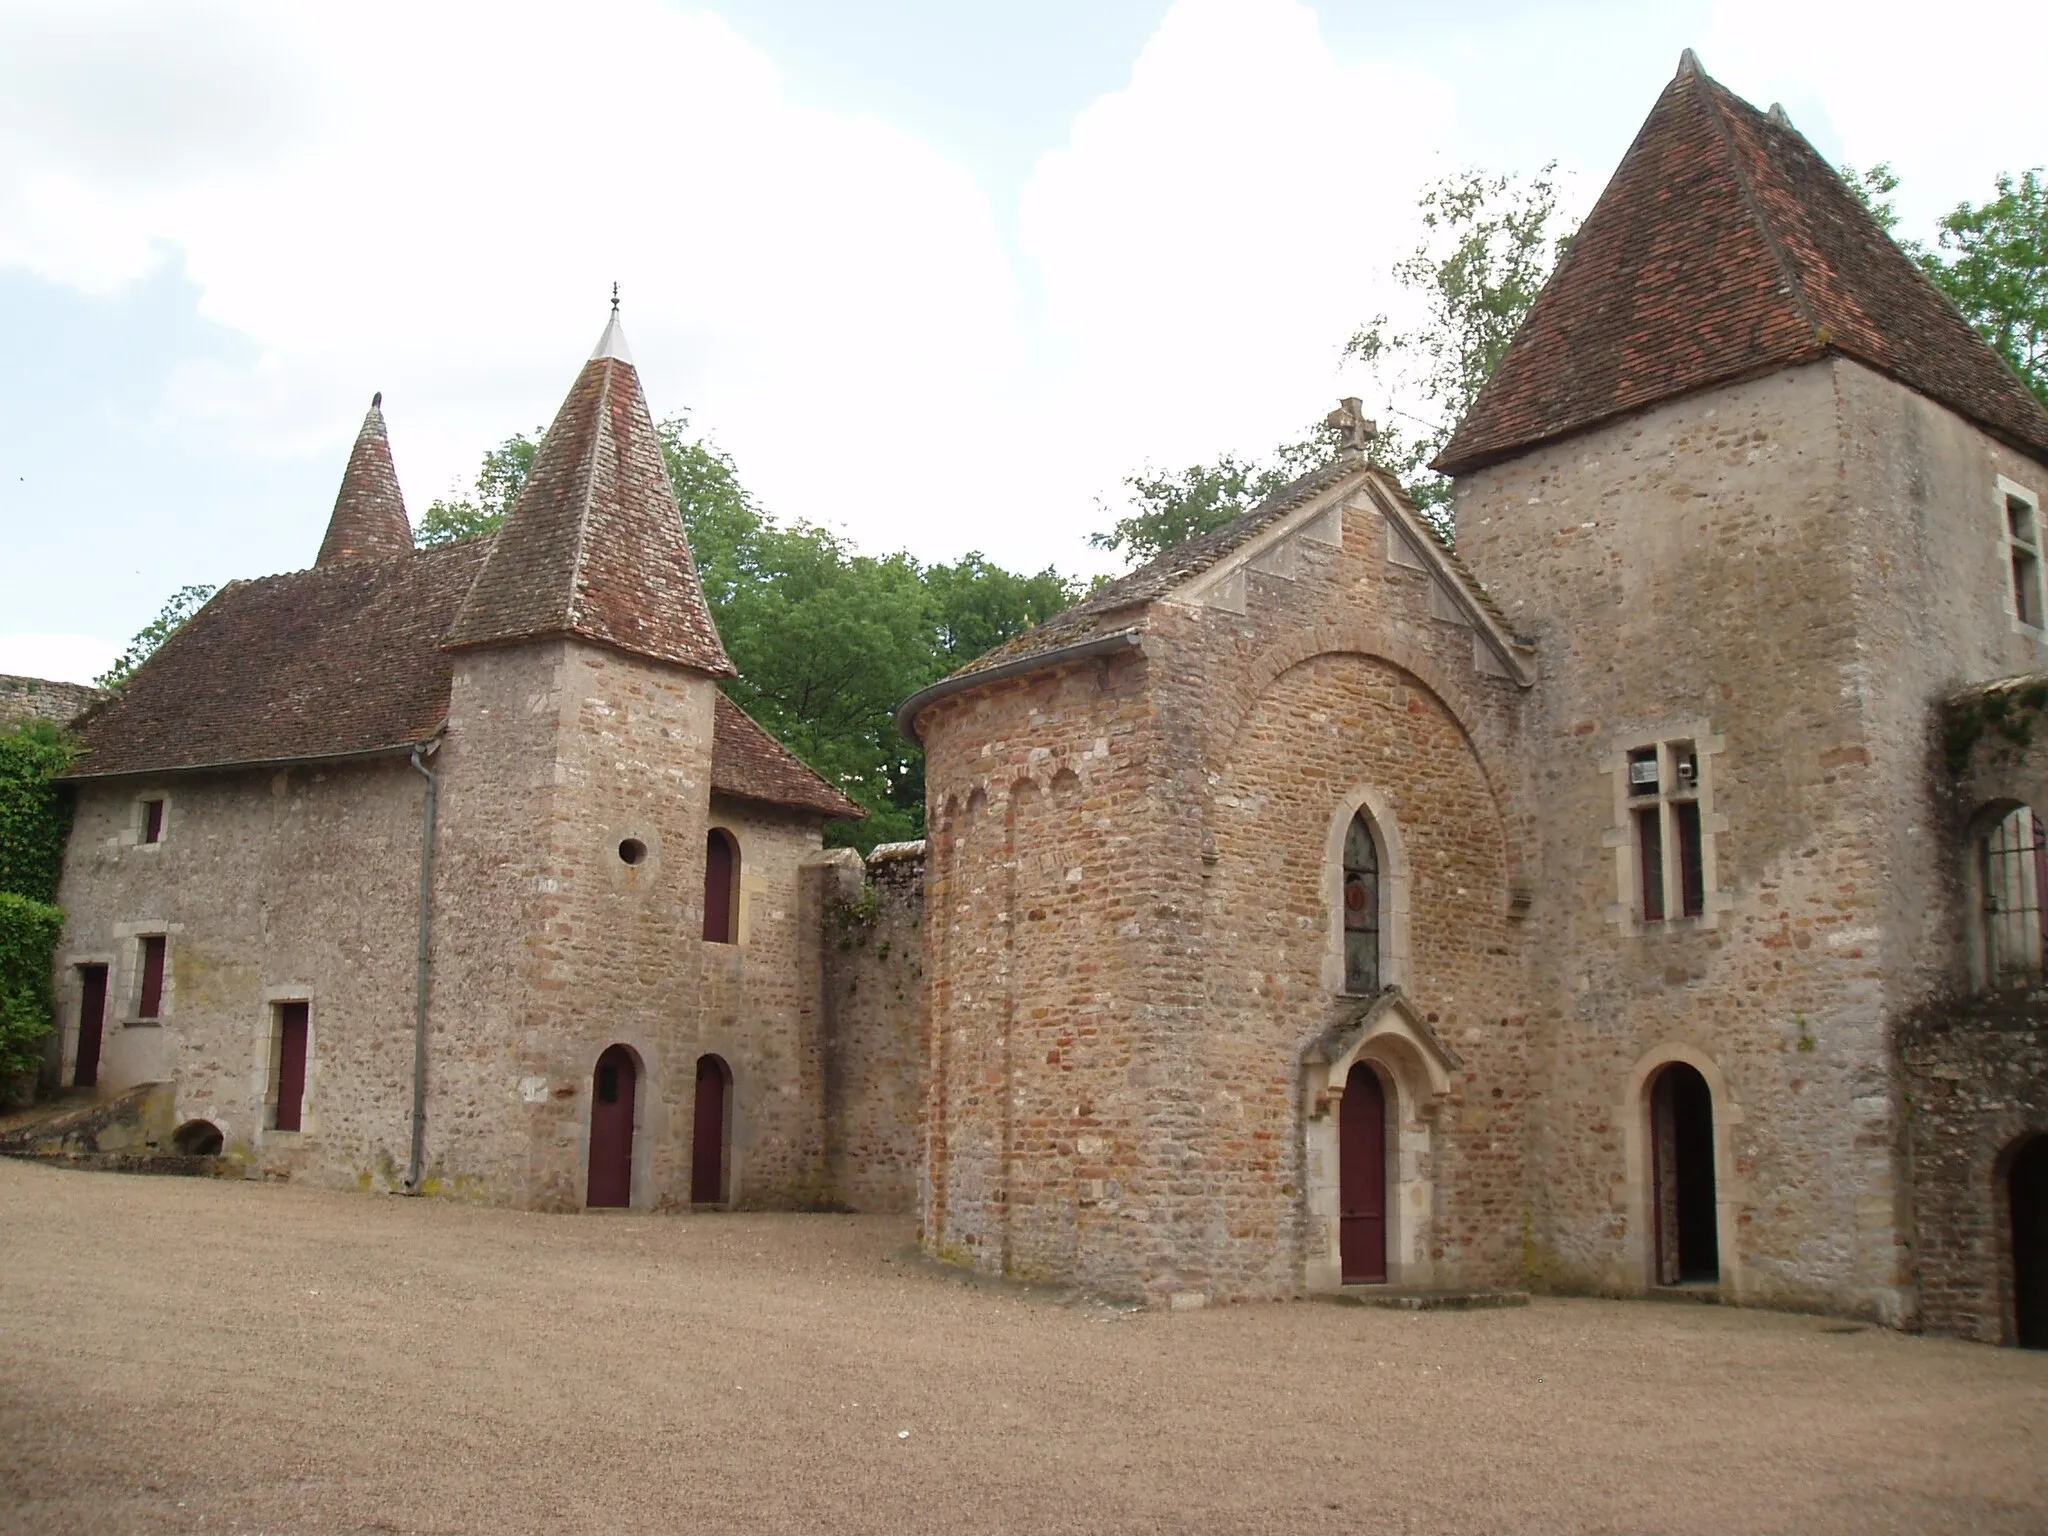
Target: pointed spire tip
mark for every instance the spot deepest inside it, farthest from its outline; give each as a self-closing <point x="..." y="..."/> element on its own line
<point x="613" y="342"/>
<point x="377" y="401"/>
<point x="1689" y="63"/>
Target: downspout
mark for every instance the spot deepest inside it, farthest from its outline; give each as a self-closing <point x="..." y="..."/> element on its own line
<point x="420" y="754"/>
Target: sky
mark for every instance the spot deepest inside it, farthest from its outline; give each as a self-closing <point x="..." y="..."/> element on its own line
<point x="937" y="275"/>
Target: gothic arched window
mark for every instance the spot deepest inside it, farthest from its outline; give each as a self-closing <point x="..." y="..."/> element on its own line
<point x="1361" y="909"/>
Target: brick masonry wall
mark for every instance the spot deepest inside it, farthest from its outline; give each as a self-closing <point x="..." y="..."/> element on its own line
<point x="1130" y="923"/>
<point x="873" y="951"/>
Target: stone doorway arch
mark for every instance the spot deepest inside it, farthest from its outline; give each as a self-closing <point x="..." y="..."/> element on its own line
<point x="614" y="1098"/>
<point x="1388" y="1037"/>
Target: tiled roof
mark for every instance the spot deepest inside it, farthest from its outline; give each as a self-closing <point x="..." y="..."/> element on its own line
<point x="1110" y="607"/>
<point x="338" y="660"/>
<point x="369" y="519"/>
<point x="746" y="761"/>
<point x="594" y="545"/>
<point x="1725" y="246"/>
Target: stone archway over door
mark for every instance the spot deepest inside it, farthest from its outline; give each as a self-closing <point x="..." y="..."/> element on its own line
<point x="1362" y="1177"/>
<point x="613" y="1090"/>
<point x="2027" y="1188"/>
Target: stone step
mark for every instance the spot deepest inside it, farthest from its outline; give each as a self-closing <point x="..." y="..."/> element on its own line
<point x="1429" y="1298"/>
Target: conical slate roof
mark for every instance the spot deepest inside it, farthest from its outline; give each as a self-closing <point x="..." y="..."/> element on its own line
<point x="369" y="520"/>
<point x="1725" y="246"/>
<point x="594" y="544"/>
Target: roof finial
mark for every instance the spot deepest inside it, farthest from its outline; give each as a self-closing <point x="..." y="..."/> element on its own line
<point x="615" y="300"/>
<point x="1349" y="420"/>
<point x="377" y="401"/>
<point x="1689" y="63"/>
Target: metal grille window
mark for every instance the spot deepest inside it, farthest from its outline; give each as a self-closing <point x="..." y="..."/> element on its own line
<point x="2015" y="898"/>
<point x="1361" y="909"/>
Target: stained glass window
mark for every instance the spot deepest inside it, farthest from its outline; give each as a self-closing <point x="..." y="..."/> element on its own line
<point x="1361" y="909"/>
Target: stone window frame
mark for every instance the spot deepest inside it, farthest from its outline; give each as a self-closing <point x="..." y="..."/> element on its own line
<point x="124" y="975"/>
<point x="138" y="813"/>
<point x="2004" y="492"/>
<point x="1978" y="829"/>
<point x="1396" y="888"/>
<point x="1625" y="911"/>
<point x="742" y="905"/>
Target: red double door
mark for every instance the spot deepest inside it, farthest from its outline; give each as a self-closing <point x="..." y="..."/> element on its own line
<point x="1362" y="1177"/>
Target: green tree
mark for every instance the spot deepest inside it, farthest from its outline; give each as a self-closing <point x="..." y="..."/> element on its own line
<point x="1490" y="243"/>
<point x="1991" y="259"/>
<point x="35" y="818"/>
<point x="171" y="618"/>
<point x="1873" y="188"/>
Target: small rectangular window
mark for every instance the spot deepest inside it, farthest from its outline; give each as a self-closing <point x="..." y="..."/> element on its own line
<point x="290" y="1095"/>
<point x="1692" y="874"/>
<point x="152" y="821"/>
<point x="150" y="1002"/>
<point x="1642" y="771"/>
<point x="1650" y="859"/>
<point x="2025" y="536"/>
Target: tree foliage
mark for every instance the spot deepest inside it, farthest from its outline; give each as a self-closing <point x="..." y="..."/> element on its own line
<point x="171" y="618"/>
<point x="1991" y="259"/>
<point x="504" y="470"/>
<point x="35" y="818"/>
<point x="1490" y="242"/>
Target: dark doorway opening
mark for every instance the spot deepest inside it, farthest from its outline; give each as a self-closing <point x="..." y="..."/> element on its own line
<point x="1682" y="1154"/>
<point x="1362" y="1177"/>
<point x="721" y="887"/>
<point x="708" y="1141"/>
<point x="291" y="1065"/>
<point x="2027" y="1185"/>
<point x="197" y="1138"/>
<point x="613" y="1092"/>
<point x="92" y="1023"/>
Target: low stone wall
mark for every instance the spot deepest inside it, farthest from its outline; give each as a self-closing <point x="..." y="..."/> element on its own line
<point x="42" y="698"/>
<point x="1976" y="1077"/>
<point x="874" y="1005"/>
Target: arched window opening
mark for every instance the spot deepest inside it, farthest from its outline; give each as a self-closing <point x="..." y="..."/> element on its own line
<point x="2027" y="1190"/>
<point x="2015" y="854"/>
<point x="721" y="887"/>
<point x="1685" y="1217"/>
<point x="198" y="1138"/>
<point x="1361" y="909"/>
<point x="711" y="1137"/>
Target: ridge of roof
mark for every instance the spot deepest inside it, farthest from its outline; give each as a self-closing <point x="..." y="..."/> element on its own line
<point x="368" y="521"/>
<point x="1725" y="246"/>
<point x="594" y="546"/>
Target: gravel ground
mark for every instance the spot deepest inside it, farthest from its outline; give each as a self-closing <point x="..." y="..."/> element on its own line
<point x="186" y="1355"/>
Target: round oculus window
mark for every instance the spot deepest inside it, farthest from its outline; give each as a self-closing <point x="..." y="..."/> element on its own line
<point x="632" y="850"/>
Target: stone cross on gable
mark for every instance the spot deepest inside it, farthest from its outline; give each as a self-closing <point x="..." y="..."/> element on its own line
<point x="1356" y="432"/>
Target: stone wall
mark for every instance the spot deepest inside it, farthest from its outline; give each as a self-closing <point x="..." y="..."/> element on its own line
<point x="874" y="1008"/>
<point x="1133" y="908"/>
<point x="41" y="698"/>
<point x="296" y="884"/>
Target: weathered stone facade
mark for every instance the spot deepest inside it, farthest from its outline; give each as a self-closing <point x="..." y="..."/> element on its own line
<point x="40" y="698"/>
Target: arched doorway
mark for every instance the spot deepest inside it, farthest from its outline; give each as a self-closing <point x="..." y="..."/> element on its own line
<point x="708" y="1141"/>
<point x="198" y="1138"/>
<point x="1362" y="1177"/>
<point x="2027" y="1188"/>
<point x="611" y="1128"/>
<point x="1686" y="1219"/>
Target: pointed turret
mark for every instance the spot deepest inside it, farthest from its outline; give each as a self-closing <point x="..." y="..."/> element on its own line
<point x="594" y="544"/>
<point x="1724" y="247"/>
<point x="369" y="519"/>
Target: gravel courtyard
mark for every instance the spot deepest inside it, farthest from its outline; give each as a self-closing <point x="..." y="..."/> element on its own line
<point x="184" y="1355"/>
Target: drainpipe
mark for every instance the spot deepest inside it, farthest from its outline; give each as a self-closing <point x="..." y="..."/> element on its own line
<point x="419" y="1020"/>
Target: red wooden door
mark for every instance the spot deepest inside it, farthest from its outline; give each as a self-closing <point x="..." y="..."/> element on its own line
<point x="611" y="1129"/>
<point x="291" y="1064"/>
<point x="1362" y="1177"/>
<point x="92" y="1019"/>
<point x="707" y="1145"/>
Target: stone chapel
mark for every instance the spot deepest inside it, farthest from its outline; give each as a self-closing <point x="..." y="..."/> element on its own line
<point x="1645" y="891"/>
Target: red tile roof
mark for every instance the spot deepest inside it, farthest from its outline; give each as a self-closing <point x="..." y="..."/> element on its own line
<point x="1725" y="246"/>
<point x="594" y="544"/>
<point x="369" y="520"/>
<point x="749" y="763"/>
